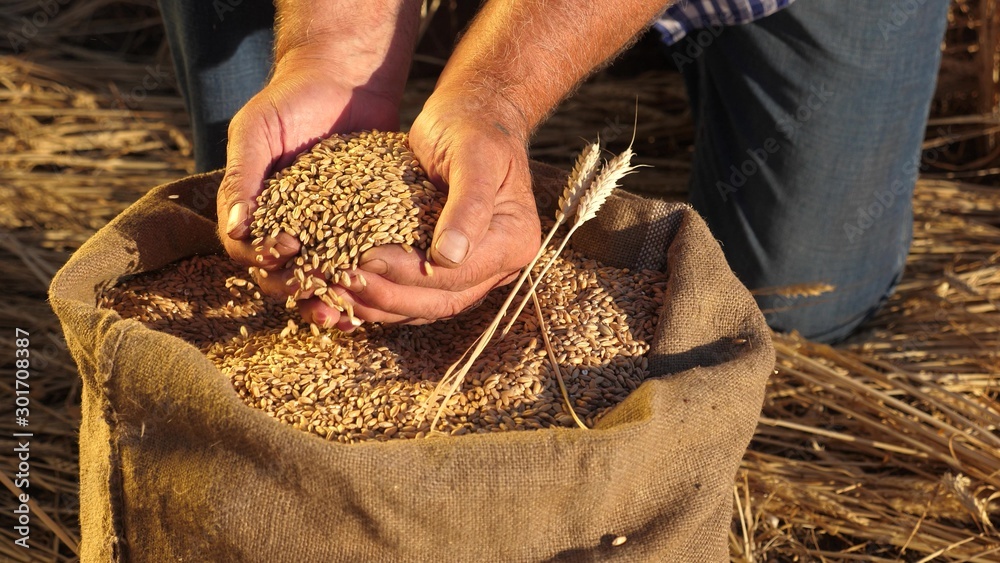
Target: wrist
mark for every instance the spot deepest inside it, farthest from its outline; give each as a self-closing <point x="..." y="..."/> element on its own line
<point x="367" y="45"/>
<point x="484" y="96"/>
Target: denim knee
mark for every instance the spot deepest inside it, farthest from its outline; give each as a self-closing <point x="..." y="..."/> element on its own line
<point x="825" y="313"/>
<point x="808" y="132"/>
<point x="222" y="56"/>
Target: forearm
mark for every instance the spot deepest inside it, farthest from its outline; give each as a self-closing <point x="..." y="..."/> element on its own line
<point x="366" y="43"/>
<point x="521" y="57"/>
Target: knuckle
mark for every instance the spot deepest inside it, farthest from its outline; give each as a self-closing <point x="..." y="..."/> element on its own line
<point x="230" y="187"/>
<point x="450" y="305"/>
<point x="477" y="203"/>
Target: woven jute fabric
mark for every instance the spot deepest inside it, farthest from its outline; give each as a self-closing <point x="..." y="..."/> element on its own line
<point x="175" y="467"/>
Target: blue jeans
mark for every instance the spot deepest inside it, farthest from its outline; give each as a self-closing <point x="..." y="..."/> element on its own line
<point x="222" y="53"/>
<point x="809" y="124"/>
<point x="808" y="131"/>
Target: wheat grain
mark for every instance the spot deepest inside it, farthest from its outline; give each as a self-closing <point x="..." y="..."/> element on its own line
<point x="372" y="384"/>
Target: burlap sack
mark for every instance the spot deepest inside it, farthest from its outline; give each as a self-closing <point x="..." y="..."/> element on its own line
<point x="175" y="467"/>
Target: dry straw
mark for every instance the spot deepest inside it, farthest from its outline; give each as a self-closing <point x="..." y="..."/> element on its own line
<point x="554" y="360"/>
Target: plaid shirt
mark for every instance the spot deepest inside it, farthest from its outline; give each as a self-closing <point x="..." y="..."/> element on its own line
<point x="688" y="15"/>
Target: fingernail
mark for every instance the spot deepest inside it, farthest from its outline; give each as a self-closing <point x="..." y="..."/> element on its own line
<point x="376" y="266"/>
<point x="452" y="245"/>
<point x="356" y="322"/>
<point x="235" y="226"/>
<point x="323" y="320"/>
<point x="285" y="243"/>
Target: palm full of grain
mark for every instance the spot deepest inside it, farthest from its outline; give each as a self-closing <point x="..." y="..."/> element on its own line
<point x="346" y="195"/>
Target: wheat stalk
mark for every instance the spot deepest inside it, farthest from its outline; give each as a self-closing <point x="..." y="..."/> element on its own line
<point x="544" y="330"/>
<point x="580" y="178"/>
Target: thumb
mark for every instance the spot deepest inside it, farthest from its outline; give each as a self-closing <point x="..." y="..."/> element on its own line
<point x="468" y="211"/>
<point x="248" y="160"/>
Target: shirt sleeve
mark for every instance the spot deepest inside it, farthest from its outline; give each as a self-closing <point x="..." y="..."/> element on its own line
<point x="686" y="16"/>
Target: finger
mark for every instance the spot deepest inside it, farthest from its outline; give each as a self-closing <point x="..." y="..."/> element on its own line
<point x="319" y="313"/>
<point x="396" y="264"/>
<point x="473" y="184"/>
<point x="372" y="315"/>
<point x="511" y="242"/>
<point x="382" y="300"/>
<point x="274" y="252"/>
<point x="279" y="283"/>
<point x="249" y="156"/>
<point x="410" y="269"/>
<point x="283" y="283"/>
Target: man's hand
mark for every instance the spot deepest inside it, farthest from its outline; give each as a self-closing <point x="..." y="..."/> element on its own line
<point x="488" y="229"/>
<point x="292" y="113"/>
<point x="514" y="64"/>
<point x="339" y="67"/>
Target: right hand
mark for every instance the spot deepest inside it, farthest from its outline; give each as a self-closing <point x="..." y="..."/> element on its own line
<point x="488" y="230"/>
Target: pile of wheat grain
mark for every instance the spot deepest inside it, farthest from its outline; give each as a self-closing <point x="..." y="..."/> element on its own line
<point x="371" y="384"/>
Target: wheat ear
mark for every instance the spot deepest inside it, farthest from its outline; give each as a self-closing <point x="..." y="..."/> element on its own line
<point x="591" y="201"/>
<point x="580" y="178"/>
